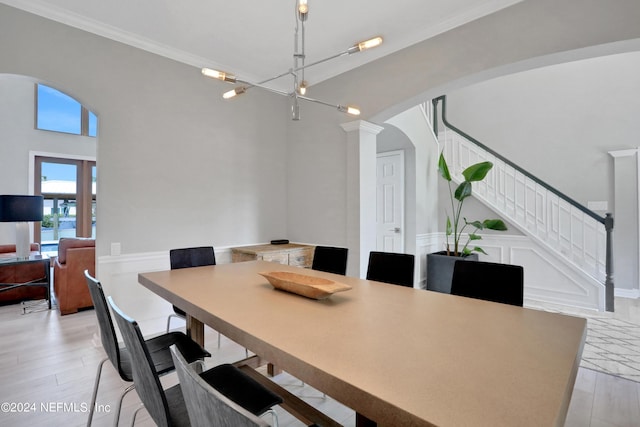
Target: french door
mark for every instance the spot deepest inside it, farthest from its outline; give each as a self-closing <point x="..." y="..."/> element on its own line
<point x="69" y="190"/>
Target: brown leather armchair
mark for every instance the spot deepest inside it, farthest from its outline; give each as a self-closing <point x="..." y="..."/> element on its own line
<point x="21" y="274"/>
<point x="74" y="256"/>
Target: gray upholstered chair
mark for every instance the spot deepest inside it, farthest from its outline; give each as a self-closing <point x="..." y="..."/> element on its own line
<point x="120" y="357"/>
<point x="166" y="407"/>
<point x="206" y="406"/>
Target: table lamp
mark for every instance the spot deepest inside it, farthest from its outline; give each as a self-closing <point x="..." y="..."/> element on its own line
<point x="21" y="210"/>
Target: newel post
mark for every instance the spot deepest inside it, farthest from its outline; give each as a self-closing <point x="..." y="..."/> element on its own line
<point x="608" y="282"/>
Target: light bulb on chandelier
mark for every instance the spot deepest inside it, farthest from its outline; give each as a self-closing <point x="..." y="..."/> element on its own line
<point x="300" y="85"/>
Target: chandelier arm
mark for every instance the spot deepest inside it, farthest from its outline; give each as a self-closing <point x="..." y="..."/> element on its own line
<point x="290" y="71"/>
<point x="354" y="111"/>
<point x="249" y="85"/>
<point x="317" y="101"/>
<point x="345" y="52"/>
<point x="286" y="73"/>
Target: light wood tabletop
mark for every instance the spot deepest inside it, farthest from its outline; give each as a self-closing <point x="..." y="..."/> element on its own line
<point x="397" y="355"/>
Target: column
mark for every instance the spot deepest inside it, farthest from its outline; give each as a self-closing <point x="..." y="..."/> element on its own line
<point x="361" y="193"/>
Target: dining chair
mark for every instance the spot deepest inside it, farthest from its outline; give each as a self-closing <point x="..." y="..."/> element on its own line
<point x="389" y="267"/>
<point x="120" y="357"/>
<point x="489" y="281"/>
<point x="210" y="406"/>
<point x="186" y="258"/>
<point x="166" y="407"/>
<point x="330" y="259"/>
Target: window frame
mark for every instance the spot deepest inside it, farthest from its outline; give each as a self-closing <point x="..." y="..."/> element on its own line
<point x="84" y="194"/>
<point x="84" y="114"/>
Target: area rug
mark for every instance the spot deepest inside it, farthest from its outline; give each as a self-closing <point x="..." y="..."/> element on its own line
<point x="612" y="347"/>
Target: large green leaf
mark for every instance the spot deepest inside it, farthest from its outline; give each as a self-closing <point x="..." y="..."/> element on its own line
<point x="477" y="172"/>
<point x="495" y="224"/>
<point x="463" y="191"/>
<point x="477" y="224"/>
<point x="443" y="169"/>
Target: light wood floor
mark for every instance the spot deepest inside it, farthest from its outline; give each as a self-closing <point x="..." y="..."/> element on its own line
<point x="48" y="364"/>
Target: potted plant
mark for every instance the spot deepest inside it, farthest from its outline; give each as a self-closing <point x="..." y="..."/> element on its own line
<point x="440" y="264"/>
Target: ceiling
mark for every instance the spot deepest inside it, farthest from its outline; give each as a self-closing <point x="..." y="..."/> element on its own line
<point x="254" y="39"/>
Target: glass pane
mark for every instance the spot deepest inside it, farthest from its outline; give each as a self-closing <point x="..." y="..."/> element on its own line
<point x="93" y="124"/>
<point x="58" y="187"/>
<point x="93" y="180"/>
<point x="57" y="111"/>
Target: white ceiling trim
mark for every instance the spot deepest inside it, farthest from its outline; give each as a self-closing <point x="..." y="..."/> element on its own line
<point x="323" y="73"/>
<point x="101" y="29"/>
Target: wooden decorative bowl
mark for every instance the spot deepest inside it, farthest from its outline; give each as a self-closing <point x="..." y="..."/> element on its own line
<point x="307" y="286"/>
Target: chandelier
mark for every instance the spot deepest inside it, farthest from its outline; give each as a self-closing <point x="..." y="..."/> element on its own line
<point x="300" y="85"/>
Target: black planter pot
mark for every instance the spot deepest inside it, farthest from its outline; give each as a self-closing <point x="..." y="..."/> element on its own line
<point x="440" y="270"/>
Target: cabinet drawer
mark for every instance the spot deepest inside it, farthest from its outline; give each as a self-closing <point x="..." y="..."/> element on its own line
<point x="240" y="257"/>
<point x="300" y="258"/>
<point x="280" y="258"/>
<point x="292" y="254"/>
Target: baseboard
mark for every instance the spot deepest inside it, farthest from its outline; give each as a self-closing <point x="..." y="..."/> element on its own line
<point x="627" y="293"/>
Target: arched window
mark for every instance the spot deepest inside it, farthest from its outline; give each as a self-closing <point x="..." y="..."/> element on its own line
<point x="58" y="112"/>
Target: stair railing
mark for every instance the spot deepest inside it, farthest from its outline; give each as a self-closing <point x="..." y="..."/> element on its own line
<point x="567" y="227"/>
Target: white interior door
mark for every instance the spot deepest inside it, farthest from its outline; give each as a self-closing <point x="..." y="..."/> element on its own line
<point x="390" y="202"/>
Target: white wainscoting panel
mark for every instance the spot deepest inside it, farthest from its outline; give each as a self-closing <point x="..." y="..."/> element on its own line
<point x="119" y="278"/>
<point x="425" y="244"/>
<point x="547" y="277"/>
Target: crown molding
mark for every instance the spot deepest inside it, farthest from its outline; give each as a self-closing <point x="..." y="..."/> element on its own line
<point x="48" y="11"/>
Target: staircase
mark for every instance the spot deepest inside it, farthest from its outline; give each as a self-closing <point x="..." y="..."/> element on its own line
<point x="572" y="234"/>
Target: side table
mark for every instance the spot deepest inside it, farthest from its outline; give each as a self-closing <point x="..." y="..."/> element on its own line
<point x="290" y="254"/>
<point x="45" y="281"/>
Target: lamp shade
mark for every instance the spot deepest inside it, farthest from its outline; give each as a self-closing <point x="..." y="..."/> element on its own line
<point x="20" y="208"/>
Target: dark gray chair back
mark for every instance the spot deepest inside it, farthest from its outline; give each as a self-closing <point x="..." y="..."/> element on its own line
<point x="108" y="335"/>
<point x="205" y="405"/>
<point x="145" y="378"/>
<point x="192" y="257"/>
<point x="489" y="281"/>
<point x="330" y="259"/>
<point x="394" y="268"/>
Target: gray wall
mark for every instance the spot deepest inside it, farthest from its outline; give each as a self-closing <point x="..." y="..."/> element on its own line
<point x="558" y="122"/>
<point x="179" y="167"/>
<point x="176" y="166"/>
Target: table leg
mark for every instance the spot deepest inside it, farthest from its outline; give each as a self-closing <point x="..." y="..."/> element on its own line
<point x="195" y="329"/>
<point x="362" y="421"/>
<point x="273" y="370"/>
<point x="47" y="278"/>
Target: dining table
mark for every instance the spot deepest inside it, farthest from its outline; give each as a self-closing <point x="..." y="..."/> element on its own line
<point x="397" y="356"/>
